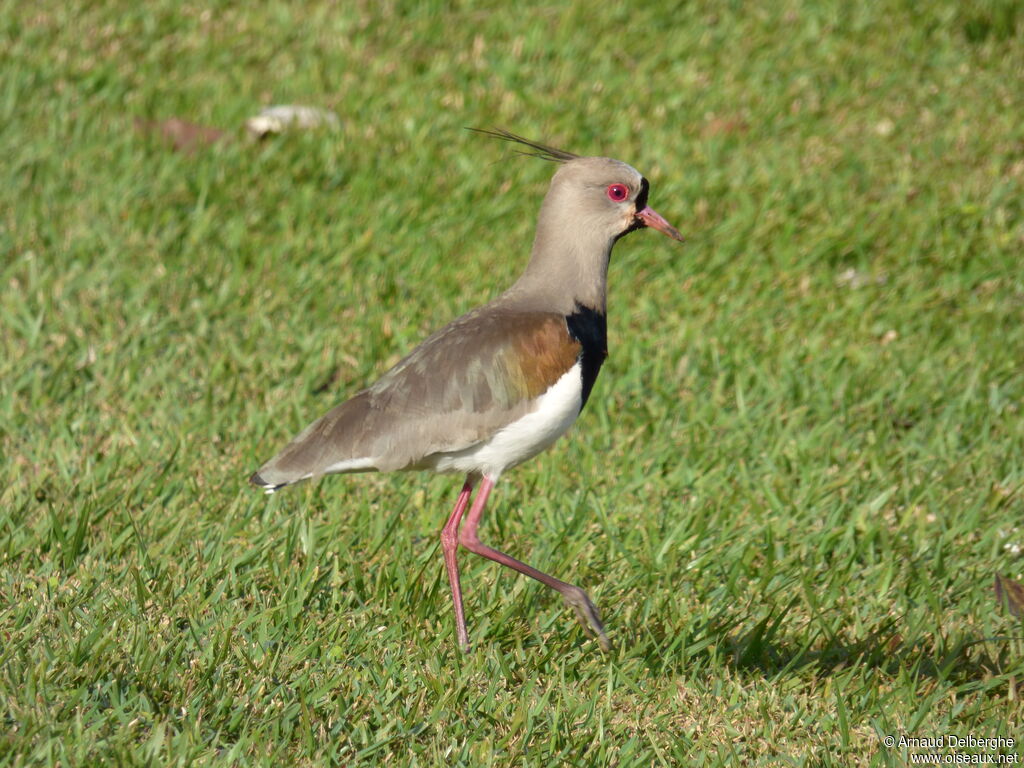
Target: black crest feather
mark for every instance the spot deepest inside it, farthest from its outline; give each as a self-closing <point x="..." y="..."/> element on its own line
<point x="543" y="151"/>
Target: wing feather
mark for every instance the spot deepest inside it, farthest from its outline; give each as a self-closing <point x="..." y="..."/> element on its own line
<point x="470" y="379"/>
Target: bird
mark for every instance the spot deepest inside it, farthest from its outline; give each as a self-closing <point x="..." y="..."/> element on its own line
<point x="501" y="383"/>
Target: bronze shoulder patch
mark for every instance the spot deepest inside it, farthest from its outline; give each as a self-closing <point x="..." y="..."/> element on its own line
<point x="545" y="351"/>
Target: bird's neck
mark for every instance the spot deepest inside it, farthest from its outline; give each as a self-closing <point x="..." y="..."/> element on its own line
<point x="568" y="267"/>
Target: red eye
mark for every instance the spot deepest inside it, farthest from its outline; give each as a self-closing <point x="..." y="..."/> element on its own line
<point x="618" y="192"/>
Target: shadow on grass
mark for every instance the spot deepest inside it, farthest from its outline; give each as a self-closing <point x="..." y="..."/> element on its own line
<point x="758" y="643"/>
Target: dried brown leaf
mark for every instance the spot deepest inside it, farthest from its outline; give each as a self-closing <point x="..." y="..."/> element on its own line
<point x="1011" y="594"/>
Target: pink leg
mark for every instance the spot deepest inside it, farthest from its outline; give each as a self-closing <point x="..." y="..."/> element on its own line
<point x="586" y="611"/>
<point x="449" y="545"/>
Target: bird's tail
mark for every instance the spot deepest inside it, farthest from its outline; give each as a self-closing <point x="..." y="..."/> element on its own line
<point x="331" y="444"/>
<point x="259" y="482"/>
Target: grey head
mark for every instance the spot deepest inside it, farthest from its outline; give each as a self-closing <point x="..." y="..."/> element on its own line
<point x="591" y="203"/>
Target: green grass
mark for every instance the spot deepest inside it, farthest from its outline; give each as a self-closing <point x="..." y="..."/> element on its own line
<point x="790" y="493"/>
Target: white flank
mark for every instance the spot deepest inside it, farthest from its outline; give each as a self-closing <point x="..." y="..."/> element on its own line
<point x="349" y="465"/>
<point x="553" y="414"/>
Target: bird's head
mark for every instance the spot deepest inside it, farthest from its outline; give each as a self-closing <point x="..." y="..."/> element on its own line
<point x="603" y="196"/>
<point x="609" y="196"/>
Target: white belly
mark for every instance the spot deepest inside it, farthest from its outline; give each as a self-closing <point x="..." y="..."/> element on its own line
<point x="524" y="438"/>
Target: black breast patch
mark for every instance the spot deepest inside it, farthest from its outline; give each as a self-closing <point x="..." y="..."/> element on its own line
<point x="590" y="328"/>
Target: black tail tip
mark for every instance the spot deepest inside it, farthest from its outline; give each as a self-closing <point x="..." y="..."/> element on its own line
<point x="259" y="482"/>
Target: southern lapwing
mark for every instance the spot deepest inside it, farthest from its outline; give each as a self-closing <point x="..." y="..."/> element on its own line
<point x="500" y="384"/>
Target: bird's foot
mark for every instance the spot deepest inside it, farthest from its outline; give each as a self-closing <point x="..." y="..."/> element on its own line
<point x="587" y="614"/>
